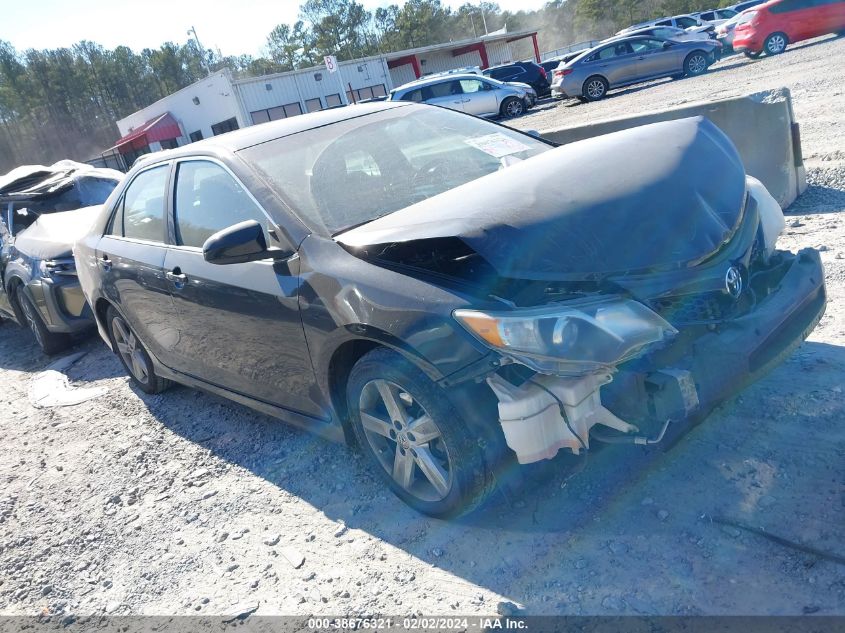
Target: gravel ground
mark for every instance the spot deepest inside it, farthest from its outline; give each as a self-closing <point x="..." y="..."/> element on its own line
<point x="183" y="503"/>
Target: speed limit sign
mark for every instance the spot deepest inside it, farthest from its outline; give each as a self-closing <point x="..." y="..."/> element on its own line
<point x="331" y="63"/>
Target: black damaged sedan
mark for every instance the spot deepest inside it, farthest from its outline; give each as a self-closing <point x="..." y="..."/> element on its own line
<point x="404" y="277"/>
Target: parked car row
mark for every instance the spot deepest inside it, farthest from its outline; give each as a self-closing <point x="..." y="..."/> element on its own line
<point x="44" y="209"/>
<point x="684" y="46"/>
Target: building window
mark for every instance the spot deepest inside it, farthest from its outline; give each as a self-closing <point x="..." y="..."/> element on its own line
<point x="367" y="92"/>
<point x="195" y="136"/>
<point x="224" y="126"/>
<point x="259" y="116"/>
<point x="169" y="143"/>
<point x="313" y="105"/>
<point x="332" y="100"/>
<point x="279" y="112"/>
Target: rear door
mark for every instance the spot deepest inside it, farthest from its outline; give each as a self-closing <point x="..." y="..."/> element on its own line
<point x="131" y="258"/>
<point x="617" y="63"/>
<point x="447" y="94"/>
<point x="239" y="324"/>
<point x="479" y="98"/>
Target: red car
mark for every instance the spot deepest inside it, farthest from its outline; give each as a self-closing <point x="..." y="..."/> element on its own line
<point x="770" y="27"/>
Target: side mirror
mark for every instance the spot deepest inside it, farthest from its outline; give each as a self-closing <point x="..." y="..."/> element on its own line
<point x="667" y="45"/>
<point x="533" y="133"/>
<point x="242" y="242"/>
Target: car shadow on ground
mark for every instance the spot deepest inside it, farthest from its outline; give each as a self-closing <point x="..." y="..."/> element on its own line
<point x="763" y="459"/>
<point x="19" y="351"/>
<point x="818" y="199"/>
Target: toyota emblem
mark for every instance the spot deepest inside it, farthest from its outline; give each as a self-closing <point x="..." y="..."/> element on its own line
<point x="733" y="282"/>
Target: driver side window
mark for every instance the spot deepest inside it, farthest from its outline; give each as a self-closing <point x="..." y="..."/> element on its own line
<point x="207" y="200"/>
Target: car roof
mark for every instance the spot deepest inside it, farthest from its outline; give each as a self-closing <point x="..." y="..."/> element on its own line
<point x="427" y="81"/>
<point x="261" y="133"/>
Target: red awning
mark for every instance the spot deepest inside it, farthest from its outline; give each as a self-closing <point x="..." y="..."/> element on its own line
<point x="161" y="128"/>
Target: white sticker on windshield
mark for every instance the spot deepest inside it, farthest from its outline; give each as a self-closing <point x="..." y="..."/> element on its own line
<point x="497" y="145"/>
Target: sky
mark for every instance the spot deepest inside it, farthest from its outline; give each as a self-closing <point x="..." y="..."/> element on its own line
<point x="234" y="27"/>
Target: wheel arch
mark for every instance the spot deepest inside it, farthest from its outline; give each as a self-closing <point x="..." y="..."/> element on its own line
<point x="343" y="356"/>
<point x="101" y="306"/>
<point x="14" y="285"/>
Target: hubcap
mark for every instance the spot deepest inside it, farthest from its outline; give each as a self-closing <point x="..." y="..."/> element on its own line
<point x="595" y="89"/>
<point x="515" y="108"/>
<point x="129" y="350"/>
<point x="405" y="440"/>
<point x="697" y="64"/>
<point x="777" y="44"/>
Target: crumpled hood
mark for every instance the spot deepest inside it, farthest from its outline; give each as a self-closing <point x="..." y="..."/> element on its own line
<point x="663" y="195"/>
<point x="52" y="235"/>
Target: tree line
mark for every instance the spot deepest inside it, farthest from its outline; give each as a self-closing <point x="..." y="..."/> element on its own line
<point x="63" y="103"/>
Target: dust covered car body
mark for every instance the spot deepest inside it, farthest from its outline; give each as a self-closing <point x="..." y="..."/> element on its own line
<point x="404" y="276"/>
<point x="44" y="210"/>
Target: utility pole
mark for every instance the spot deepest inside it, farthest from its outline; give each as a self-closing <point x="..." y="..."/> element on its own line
<point x="193" y="31"/>
<point x="483" y="19"/>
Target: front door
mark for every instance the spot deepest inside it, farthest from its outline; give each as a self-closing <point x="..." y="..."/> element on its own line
<point x="447" y="94"/>
<point x="478" y="97"/>
<point x="239" y="324"/>
<point x="653" y="60"/>
<point x="131" y="255"/>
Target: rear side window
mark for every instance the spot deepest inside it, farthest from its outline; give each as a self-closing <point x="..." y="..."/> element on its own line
<point x="208" y="200"/>
<point x="140" y="213"/>
<point x="443" y="89"/>
<point x="685" y="23"/>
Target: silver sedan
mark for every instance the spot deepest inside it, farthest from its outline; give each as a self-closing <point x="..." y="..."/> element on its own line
<point x="631" y="60"/>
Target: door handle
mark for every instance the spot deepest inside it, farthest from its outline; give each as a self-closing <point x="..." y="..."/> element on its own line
<point x="177" y="277"/>
<point x="105" y="262"/>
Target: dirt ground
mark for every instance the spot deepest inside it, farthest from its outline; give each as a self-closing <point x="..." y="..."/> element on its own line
<point x="183" y="503"/>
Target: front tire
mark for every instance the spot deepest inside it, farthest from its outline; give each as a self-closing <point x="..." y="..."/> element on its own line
<point x="132" y="355"/>
<point x="513" y="107"/>
<point x="695" y="64"/>
<point x="775" y="44"/>
<point x="595" y="88"/>
<point x="752" y="54"/>
<point x="414" y="437"/>
<point x="50" y="342"/>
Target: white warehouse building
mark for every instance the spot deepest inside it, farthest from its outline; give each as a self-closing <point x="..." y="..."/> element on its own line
<point x="219" y="103"/>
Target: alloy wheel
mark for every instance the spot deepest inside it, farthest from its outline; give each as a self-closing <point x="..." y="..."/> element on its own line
<point x="697" y="64"/>
<point x="405" y="440"/>
<point x="129" y="350"/>
<point x="595" y="89"/>
<point x="515" y="107"/>
<point x="775" y="44"/>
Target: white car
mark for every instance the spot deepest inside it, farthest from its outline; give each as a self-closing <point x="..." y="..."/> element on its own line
<point x="716" y="16"/>
<point x="470" y="93"/>
<point x="688" y="22"/>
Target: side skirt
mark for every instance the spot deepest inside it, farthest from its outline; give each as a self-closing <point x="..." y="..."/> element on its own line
<point x="327" y="430"/>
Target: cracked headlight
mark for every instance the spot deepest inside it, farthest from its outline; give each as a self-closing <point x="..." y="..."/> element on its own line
<point x="572" y="338"/>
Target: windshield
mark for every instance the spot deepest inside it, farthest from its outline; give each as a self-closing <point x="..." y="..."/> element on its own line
<point x="352" y="172"/>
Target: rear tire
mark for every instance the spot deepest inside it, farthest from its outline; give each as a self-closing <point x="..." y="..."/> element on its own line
<point x="50" y="342"/>
<point x="512" y="107"/>
<point x="775" y="44"/>
<point x="595" y="88"/>
<point x="132" y="355"/>
<point x="414" y="437"/>
<point x="696" y="64"/>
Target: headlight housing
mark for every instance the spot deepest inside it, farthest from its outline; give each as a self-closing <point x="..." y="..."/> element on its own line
<point x="574" y="338"/>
